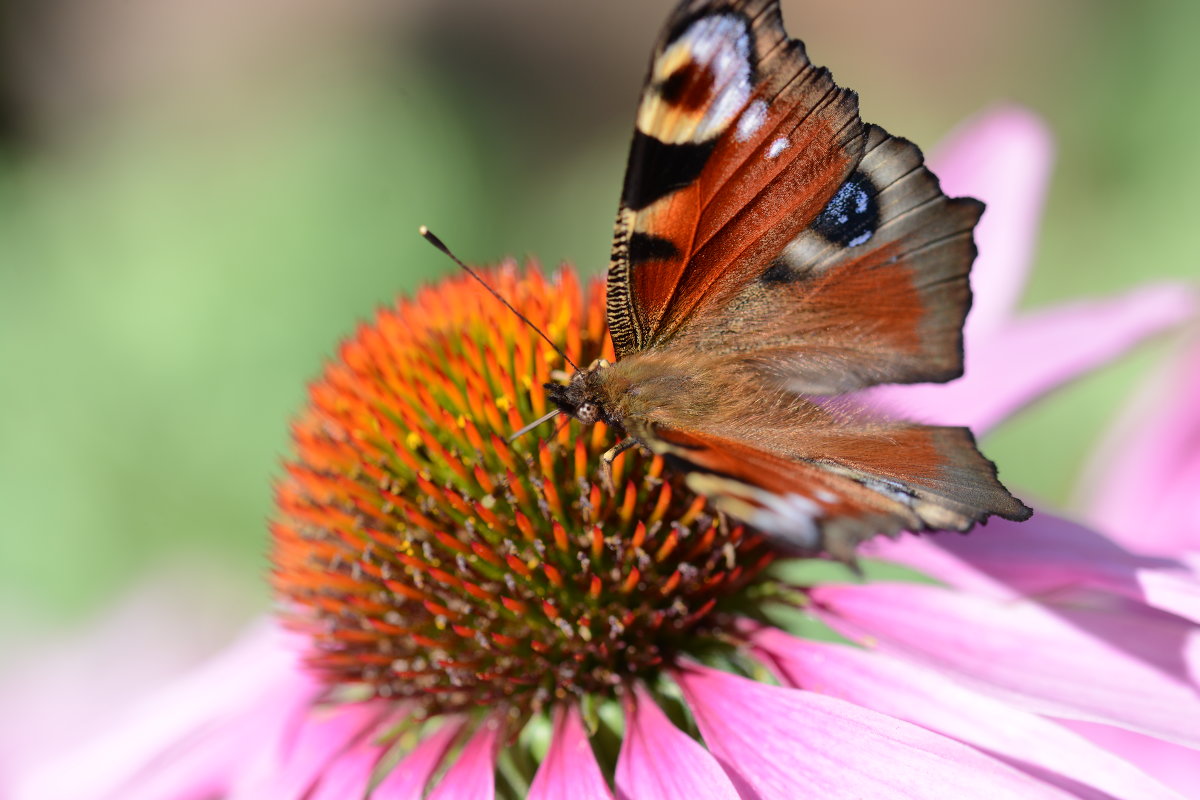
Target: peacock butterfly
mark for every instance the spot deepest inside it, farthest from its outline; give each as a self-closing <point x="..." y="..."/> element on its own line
<point x="773" y="255"/>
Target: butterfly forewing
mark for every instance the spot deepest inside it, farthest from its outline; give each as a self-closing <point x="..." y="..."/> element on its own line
<point x="740" y="142"/>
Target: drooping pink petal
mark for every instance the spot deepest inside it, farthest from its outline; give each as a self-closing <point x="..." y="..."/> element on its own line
<point x="780" y="744"/>
<point x="191" y="739"/>
<point x="311" y="738"/>
<point x="1003" y="157"/>
<point x="909" y="692"/>
<point x="62" y="686"/>
<point x="1043" y="555"/>
<point x="1142" y="489"/>
<point x="660" y="761"/>
<point x="349" y="776"/>
<point x="319" y="740"/>
<point x="472" y="775"/>
<point x="407" y="780"/>
<point x="1174" y="765"/>
<point x="197" y="769"/>
<point x="1133" y="668"/>
<point x="1036" y="354"/>
<point x="569" y="768"/>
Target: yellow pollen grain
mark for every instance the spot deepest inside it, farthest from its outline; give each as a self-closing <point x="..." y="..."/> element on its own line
<point x="503" y="403"/>
<point x="413" y="440"/>
<point x="461" y="421"/>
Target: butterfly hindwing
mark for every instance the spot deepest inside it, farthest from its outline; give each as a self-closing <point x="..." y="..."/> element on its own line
<point x="875" y="290"/>
<point x="850" y="486"/>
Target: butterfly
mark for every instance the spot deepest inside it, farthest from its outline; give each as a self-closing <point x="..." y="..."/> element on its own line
<point x="773" y="255"/>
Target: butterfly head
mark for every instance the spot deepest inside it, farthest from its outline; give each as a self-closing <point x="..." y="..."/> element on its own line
<point x="580" y="397"/>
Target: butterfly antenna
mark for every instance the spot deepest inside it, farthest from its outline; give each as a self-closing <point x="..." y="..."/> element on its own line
<point x="440" y="245"/>
<point x="533" y="425"/>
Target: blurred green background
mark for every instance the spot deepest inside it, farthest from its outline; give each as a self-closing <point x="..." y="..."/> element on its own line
<point x="199" y="197"/>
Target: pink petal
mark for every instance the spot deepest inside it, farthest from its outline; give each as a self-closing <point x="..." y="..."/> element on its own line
<point x="472" y="776"/>
<point x="194" y="738"/>
<point x="1135" y="670"/>
<point x="569" y="768"/>
<point x="1043" y="555"/>
<point x="906" y="691"/>
<point x="780" y="744"/>
<point x="192" y="770"/>
<point x="61" y="687"/>
<point x="407" y="780"/>
<point x="1036" y="354"/>
<point x="1004" y="159"/>
<point x="1145" y="491"/>
<point x="349" y="775"/>
<point x="1174" y="765"/>
<point x="662" y="762"/>
<point x="321" y="737"/>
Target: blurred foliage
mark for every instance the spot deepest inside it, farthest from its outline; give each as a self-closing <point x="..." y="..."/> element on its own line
<point x="173" y="270"/>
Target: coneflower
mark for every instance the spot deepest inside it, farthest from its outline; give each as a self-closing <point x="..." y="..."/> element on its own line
<point x="435" y="564"/>
<point x="466" y="618"/>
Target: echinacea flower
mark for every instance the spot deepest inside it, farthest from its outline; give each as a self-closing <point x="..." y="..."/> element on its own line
<point x="465" y="618"/>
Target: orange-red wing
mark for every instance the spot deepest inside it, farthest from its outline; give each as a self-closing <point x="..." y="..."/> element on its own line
<point x="740" y="144"/>
<point x="832" y="489"/>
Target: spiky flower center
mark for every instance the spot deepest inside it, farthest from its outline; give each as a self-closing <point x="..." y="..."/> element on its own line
<point x="429" y="559"/>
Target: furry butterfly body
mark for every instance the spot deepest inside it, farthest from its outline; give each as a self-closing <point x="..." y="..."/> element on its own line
<point x="773" y="254"/>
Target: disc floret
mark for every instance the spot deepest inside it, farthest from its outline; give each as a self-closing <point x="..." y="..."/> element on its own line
<point x="430" y="560"/>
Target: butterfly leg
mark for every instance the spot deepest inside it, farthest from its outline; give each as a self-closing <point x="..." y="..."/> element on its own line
<point x="606" y="462"/>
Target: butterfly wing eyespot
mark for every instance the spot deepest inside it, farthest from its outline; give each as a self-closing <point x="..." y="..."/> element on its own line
<point x="874" y="291"/>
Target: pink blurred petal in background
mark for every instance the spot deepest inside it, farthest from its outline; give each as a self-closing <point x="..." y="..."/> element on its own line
<point x="1004" y="158"/>
<point x="188" y="739"/>
<point x="1144" y="486"/>
<point x="1037" y="352"/>
<point x="1143" y="489"/>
